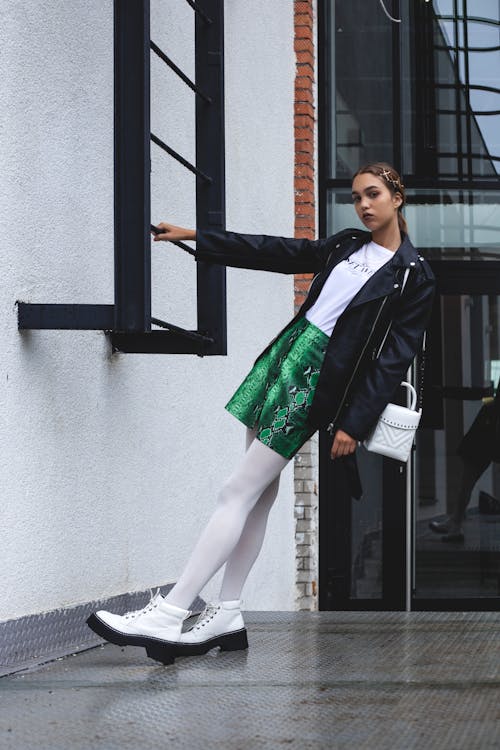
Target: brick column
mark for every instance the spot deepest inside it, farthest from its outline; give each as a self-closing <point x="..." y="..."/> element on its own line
<point x="305" y="204"/>
<point x="306" y="460"/>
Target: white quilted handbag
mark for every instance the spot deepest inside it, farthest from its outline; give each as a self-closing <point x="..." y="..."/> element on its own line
<point x="394" y="432"/>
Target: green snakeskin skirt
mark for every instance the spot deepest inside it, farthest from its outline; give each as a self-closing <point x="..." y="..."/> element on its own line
<point x="276" y="394"/>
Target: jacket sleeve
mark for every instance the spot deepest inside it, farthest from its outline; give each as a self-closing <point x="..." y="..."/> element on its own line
<point x="262" y="252"/>
<point x="375" y="388"/>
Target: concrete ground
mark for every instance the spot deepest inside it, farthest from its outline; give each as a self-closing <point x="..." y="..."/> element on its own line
<point x="309" y="680"/>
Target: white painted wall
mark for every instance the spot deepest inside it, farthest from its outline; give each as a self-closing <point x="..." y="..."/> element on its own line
<point x="111" y="463"/>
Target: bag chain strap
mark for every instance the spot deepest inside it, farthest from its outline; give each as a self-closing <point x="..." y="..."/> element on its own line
<point x="422" y="372"/>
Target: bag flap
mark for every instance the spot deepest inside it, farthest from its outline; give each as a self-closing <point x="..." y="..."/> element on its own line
<point x="401" y="417"/>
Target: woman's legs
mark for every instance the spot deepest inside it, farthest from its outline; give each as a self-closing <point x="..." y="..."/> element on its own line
<point x="452" y="527"/>
<point x="243" y="556"/>
<point x="470" y="475"/>
<point x="259" y="468"/>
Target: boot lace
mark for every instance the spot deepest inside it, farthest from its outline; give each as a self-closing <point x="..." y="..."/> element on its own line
<point x="152" y="604"/>
<point x="206" y="616"/>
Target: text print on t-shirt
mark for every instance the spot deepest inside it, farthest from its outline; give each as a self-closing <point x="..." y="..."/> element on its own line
<point x="358" y="268"/>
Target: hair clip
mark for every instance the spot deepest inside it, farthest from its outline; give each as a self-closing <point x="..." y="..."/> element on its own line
<point x="389" y="178"/>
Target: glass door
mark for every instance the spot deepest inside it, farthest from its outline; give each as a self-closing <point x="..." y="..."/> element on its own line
<point x="362" y="543"/>
<point x="426" y="535"/>
<point x="423" y="94"/>
<point x="456" y="530"/>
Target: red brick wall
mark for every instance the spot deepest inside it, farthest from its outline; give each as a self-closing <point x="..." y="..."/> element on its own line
<point x="304" y="133"/>
<point x="306" y="469"/>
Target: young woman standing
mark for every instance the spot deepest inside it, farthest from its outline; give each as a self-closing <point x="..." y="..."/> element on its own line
<point x="301" y="382"/>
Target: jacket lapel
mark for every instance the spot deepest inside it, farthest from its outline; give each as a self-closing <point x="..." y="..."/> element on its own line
<point x="387" y="280"/>
<point x="340" y="252"/>
<point x="353" y="243"/>
<point x="383" y="282"/>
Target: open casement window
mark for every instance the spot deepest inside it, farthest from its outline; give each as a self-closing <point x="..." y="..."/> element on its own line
<point x="130" y="321"/>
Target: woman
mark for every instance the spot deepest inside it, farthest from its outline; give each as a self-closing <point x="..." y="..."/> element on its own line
<point x="307" y="378"/>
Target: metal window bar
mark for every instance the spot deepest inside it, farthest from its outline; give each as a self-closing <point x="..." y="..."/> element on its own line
<point x="210" y="338"/>
<point x="201" y="13"/>
<point x="461" y="48"/>
<point x="189" y="334"/>
<point x="180" y="159"/>
<point x="129" y="320"/>
<point x="464" y="87"/>
<point x="184" y="247"/>
<point x="466" y="18"/>
<point x="467" y="112"/>
<point x="132" y="166"/>
<point x="485" y="157"/>
<point x="179" y="72"/>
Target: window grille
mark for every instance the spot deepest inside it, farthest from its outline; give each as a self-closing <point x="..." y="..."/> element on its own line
<point x="129" y="321"/>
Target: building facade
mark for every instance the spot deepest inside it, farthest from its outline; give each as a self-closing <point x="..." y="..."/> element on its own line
<point x="112" y="460"/>
<point x="115" y="437"/>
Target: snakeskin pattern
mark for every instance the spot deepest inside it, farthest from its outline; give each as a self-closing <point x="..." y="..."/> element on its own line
<point x="276" y="395"/>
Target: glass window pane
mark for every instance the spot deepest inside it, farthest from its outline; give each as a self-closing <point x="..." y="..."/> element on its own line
<point x="490" y="131"/>
<point x="455" y="223"/>
<point x="443" y="7"/>
<point x="486" y="9"/>
<point x="447" y="111"/>
<point x="484" y="101"/>
<point x="361" y="120"/>
<point x="484" y="66"/>
<point x="367" y="531"/>
<point x="482" y="34"/>
<point x="458" y="472"/>
<point x="448" y="224"/>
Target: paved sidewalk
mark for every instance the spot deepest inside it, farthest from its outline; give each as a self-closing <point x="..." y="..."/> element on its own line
<point x="319" y="680"/>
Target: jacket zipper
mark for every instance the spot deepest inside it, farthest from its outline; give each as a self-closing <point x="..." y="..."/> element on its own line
<point x="331" y="426"/>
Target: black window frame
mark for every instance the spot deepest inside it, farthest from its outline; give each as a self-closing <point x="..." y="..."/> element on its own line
<point x="129" y="321"/>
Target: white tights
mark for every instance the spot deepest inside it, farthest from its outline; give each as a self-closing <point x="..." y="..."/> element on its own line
<point x="235" y="531"/>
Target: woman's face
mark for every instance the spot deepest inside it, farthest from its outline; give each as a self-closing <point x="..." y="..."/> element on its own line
<point x="375" y="204"/>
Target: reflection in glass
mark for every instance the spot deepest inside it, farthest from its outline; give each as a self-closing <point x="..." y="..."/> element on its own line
<point x="446" y="224"/>
<point x="458" y="455"/>
<point x="361" y="66"/>
<point x="366" y="530"/>
<point x="455" y="72"/>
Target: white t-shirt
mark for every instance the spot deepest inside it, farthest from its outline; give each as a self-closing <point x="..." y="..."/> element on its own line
<point x="344" y="283"/>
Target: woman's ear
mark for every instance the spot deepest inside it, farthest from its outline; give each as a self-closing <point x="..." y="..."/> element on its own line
<point x="397" y="200"/>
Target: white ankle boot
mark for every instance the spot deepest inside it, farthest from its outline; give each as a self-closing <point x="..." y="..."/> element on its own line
<point x="220" y="625"/>
<point x="158" y="623"/>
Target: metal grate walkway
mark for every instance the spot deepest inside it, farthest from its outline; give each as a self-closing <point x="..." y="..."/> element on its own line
<point x="309" y="680"/>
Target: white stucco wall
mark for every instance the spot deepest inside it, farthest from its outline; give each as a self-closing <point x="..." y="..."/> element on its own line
<point x="111" y="463"/>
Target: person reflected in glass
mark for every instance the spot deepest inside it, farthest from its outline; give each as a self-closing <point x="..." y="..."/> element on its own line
<point x="478" y="448"/>
<point x="301" y="382"/>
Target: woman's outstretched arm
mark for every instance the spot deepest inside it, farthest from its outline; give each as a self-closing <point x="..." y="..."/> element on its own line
<point x="257" y="251"/>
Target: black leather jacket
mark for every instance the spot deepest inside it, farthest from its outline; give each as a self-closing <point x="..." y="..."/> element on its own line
<point x="342" y="401"/>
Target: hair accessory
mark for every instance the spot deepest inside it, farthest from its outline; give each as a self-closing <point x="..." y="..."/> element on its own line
<point x="389" y="177"/>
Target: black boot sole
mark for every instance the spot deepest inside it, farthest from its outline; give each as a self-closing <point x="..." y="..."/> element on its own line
<point x="121" y="639"/>
<point x="236" y="641"/>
